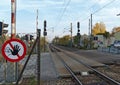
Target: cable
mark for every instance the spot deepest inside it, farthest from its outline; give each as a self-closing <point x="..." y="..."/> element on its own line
<point x="103" y="7"/>
<point x="61" y="10"/>
<point x="99" y="10"/>
<point x="92" y="6"/>
<point x="89" y="8"/>
<point x="63" y="13"/>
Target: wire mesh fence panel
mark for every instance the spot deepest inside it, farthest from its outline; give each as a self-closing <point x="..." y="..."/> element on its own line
<point x="24" y="72"/>
<point x="29" y="74"/>
<point x="7" y="73"/>
<point x="2" y="72"/>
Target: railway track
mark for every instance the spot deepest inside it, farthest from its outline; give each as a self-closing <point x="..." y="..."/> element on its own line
<point x="78" y="82"/>
<point x="111" y="71"/>
<point x="95" y="78"/>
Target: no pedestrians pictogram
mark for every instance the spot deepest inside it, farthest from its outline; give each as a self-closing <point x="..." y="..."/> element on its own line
<point x="14" y="50"/>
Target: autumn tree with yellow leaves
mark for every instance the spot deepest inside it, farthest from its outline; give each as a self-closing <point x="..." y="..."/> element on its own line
<point x="116" y="29"/>
<point x="64" y="40"/>
<point x="99" y="28"/>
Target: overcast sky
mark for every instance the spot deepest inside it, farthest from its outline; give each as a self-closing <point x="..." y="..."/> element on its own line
<point x="59" y="14"/>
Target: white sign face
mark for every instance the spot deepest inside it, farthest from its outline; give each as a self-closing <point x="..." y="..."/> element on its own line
<point x="14" y="50"/>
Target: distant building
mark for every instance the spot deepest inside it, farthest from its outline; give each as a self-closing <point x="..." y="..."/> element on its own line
<point x="101" y="41"/>
<point x="98" y="41"/>
<point x="117" y="35"/>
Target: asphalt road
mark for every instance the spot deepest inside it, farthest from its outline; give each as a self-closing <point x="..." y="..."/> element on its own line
<point x="102" y="57"/>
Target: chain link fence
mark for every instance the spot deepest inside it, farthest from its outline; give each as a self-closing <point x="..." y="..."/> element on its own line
<point x="24" y="72"/>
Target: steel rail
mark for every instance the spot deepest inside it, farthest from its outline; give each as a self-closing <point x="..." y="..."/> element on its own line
<point x="68" y="68"/>
<point x="106" y="78"/>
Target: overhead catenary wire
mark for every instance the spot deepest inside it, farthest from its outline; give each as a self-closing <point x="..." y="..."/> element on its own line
<point x="88" y="9"/>
<point x="98" y="10"/>
<point x="60" y="18"/>
<point x="88" y="17"/>
<point x="92" y="6"/>
<point x="61" y="10"/>
<point x="103" y="7"/>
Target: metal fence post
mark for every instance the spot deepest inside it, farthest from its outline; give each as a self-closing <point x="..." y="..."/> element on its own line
<point x="38" y="56"/>
<point x="21" y="73"/>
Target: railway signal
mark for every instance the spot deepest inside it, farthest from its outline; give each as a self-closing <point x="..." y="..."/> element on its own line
<point x="78" y="32"/>
<point x="78" y="26"/>
<point x="26" y="37"/>
<point x="29" y="37"/>
<point x="45" y="32"/>
<point x="2" y="26"/>
<point x="45" y="25"/>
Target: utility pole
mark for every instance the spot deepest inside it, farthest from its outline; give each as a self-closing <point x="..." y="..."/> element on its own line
<point x="91" y="24"/>
<point x="37" y="22"/>
<point x="38" y="33"/>
<point x="71" y="34"/>
<point x="89" y="45"/>
<point x="36" y="27"/>
<point x="89" y="28"/>
<point x="91" y="33"/>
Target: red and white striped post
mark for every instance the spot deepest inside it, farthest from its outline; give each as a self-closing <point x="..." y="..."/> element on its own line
<point x="13" y="18"/>
<point x="13" y="33"/>
<point x="37" y="21"/>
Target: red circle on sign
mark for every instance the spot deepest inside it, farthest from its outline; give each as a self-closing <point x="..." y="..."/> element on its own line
<point x="9" y="42"/>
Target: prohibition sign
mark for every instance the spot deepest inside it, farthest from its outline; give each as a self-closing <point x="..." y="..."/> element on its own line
<point x="14" y="50"/>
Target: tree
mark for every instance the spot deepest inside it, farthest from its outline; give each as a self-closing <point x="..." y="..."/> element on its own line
<point x="86" y="43"/>
<point x="76" y="40"/>
<point x="106" y="35"/>
<point x="55" y="40"/>
<point x="116" y="29"/>
<point x="99" y="28"/>
<point x="64" y="40"/>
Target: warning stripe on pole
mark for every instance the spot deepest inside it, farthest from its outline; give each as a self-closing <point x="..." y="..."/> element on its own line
<point x="13" y="18"/>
